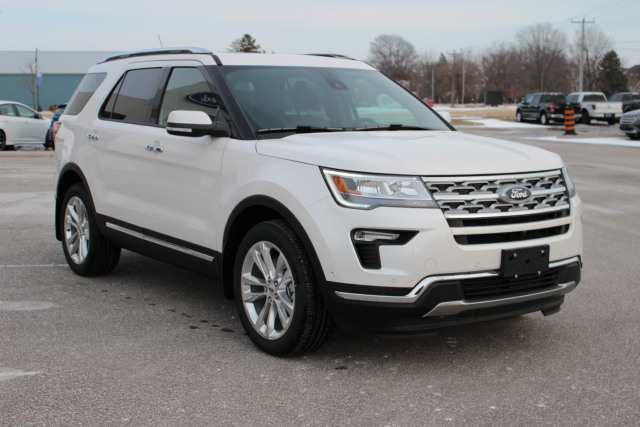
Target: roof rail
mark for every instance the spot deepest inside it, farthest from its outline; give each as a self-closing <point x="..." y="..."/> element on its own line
<point x="331" y="55"/>
<point x="160" y="51"/>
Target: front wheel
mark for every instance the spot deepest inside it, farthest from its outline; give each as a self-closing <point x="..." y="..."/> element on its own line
<point x="88" y="253"/>
<point x="3" y="141"/>
<point x="518" y="116"/>
<point x="276" y="294"/>
<point x="585" y="119"/>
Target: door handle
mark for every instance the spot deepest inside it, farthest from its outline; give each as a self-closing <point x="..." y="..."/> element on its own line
<point x="154" y="147"/>
<point x="93" y="136"/>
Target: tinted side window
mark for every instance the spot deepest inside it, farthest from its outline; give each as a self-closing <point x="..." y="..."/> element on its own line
<point x="26" y="112"/>
<point x="84" y="91"/>
<point x="132" y="99"/>
<point x="572" y="98"/>
<point x="187" y="90"/>
<point x="7" y="110"/>
<point x="594" y="98"/>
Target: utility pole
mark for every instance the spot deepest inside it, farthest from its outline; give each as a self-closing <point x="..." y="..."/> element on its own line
<point x="453" y="77"/>
<point x="462" y="100"/>
<point x="433" y="72"/>
<point x="593" y="21"/>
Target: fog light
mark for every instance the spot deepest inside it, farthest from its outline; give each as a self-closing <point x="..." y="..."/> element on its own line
<point x="371" y="236"/>
<point x="367" y="244"/>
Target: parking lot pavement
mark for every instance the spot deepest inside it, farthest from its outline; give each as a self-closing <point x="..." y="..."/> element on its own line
<point x="151" y="344"/>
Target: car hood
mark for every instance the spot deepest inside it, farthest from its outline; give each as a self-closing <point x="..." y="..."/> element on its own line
<point x="410" y="153"/>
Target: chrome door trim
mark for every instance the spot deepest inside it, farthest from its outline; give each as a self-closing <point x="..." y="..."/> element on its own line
<point x="157" y="241"/>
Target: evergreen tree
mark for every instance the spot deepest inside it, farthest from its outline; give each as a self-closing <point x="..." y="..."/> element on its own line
<point x="612" y="77"/>
<point x="246" y="44"/>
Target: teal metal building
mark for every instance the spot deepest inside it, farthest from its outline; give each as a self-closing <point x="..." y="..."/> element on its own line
<point x="61" y="72"/>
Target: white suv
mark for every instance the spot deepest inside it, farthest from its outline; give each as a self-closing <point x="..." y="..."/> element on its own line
<point x="315" y="189"/>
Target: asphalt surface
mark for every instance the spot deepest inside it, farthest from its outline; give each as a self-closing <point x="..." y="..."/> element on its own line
<point x="155" y="345"/>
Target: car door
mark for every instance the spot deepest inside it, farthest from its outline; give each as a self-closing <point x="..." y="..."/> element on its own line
<point x="187" y="169"/>
<point x="11" y="124"/>
<point x="527" y="107"/>
<point x="33" y="127"/>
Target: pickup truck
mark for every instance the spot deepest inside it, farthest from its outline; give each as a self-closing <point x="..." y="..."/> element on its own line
<point x="544" y="107"/>
<point x="594" y="106"/>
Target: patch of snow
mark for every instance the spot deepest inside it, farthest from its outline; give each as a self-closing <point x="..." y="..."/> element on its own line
<point x="501" y="124"/>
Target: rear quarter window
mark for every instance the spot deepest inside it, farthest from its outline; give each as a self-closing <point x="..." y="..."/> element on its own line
<point x="84" y="92"/>
<point x="133" y="97"/>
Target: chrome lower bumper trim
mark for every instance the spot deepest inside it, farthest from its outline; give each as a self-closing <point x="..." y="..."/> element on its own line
<point x="451" y="308"/>
<point x="425" y="283"/>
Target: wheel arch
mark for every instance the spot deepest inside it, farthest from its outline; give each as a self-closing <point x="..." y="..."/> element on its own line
<point x="249" y="212"/>
<point x="69" y="176"/>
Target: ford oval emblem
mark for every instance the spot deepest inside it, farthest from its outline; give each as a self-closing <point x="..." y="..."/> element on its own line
<point x="515" y="194"/>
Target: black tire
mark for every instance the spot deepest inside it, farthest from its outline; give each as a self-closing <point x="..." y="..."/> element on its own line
<point x="87" y="251"/>
<point x="543" y="119"/>
<point x="518" y="116"/>
<point x="611" y="121"/>
<point x="3" y="141"/>
<point x="48" y="141"/>
<point x="290" y="297"/>
<point x="585" y="119"/>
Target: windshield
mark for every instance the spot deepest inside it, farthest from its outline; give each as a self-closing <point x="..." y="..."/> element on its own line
<point x="300" y="99"/>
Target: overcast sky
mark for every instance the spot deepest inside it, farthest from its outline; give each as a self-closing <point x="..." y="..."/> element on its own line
<point x="287" y="26"/>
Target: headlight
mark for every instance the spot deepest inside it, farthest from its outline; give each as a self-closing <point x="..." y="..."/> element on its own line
<point x="362" y="191"/>
<point x="567" y="180"/>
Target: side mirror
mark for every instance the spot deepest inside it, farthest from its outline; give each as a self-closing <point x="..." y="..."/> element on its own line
<point x="196" y="123"/>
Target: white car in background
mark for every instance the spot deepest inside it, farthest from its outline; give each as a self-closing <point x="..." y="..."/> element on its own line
<point x="21" y="125"/>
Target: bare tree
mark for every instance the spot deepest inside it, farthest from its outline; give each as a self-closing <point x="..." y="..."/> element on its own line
<point x="30" y="82"/>
<point x="596" y="45"/>
<point x="424" y="79"/>
<point x="394" y="56"/>
<point x="541" y="51"/>
<point x="500" y="68"/>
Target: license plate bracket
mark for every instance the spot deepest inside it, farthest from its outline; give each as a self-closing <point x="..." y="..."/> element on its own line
<point x="524" y="261"/>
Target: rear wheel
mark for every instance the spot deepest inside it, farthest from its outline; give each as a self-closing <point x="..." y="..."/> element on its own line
<point x="3" y="141"/>
<point x="88" y="253"/>
<point x="543" y="119"/>
<point x="276" y="294"/>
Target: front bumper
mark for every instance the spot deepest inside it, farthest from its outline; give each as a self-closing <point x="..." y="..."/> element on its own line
<point x="631" y="129"/>
<point x="447" y="300"/>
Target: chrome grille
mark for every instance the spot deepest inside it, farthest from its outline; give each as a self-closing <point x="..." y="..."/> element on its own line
<point x="627" y="120"/>
<point x="473" y="201"/>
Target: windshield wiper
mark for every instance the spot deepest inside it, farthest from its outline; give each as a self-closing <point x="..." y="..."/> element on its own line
<point x="390" y="127"/>
<point x="300" y="129"/>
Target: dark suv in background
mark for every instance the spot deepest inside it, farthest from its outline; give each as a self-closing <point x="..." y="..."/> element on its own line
<point x="630" y="100"/>
<point x="544" y="107"/>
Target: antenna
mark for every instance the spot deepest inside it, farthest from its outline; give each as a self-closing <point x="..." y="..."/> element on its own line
<point x="160" y="40"/>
